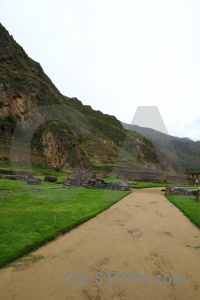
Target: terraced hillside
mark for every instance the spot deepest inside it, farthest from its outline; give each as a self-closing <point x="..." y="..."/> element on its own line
<point x="61" y="132"/>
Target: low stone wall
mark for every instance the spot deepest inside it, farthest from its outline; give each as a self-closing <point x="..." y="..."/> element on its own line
<point x="180" y="191"/>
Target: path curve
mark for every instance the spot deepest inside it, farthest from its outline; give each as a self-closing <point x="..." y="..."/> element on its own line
<point x="141" y="233"/>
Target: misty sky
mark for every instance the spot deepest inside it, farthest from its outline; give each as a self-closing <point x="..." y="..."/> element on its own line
<point x="116" y="55"/>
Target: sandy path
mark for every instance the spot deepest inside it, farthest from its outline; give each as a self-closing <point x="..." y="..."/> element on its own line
<point x="110" y="243"/>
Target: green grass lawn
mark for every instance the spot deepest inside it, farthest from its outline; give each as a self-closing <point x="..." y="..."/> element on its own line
<point x="103" y="165"/>
<point x="112" y="178"/>
<point x="39" y="171"/>
<point x="9" y="185"/>
<point x="6" y="184"/>
<point x="187" y="187"/>
<point x="29" y="219"/>
<point x="6" y="165"/>
<point x="140" y="185"/>
<point x="188" y="206"/>
<point x="115" y="178"/>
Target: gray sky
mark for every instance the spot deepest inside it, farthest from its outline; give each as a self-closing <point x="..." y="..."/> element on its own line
<point x="116" y="55"/>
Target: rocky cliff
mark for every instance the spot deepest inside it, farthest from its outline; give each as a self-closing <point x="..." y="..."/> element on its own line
<point x="60" y="131"/>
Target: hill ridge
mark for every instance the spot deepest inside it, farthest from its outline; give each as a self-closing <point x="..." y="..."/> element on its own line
<point x="184" y="151"/>
<point x="24" y="87"/>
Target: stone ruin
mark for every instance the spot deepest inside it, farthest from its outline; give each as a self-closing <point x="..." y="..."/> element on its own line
<point x="101" y="184"/>
<point x="13" y="177"/>
<point x="51" y="178"/>
<point x="89" y="180"/>
<point x="79" y="178"/>
<point x="20" y="175"/>
<point x="33" y="180"/>
<point x="83" y="178"/>
<point x="169" y="190"/>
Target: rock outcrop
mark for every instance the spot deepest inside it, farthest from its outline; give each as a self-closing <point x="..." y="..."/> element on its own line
<point x="59" y="132"/>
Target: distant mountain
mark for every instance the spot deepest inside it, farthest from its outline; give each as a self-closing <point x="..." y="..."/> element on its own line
<point x="181" y="150"/>
<point x="62" y="132"/>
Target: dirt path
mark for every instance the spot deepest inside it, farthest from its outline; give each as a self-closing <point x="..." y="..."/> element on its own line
<point x="142" y="233"/>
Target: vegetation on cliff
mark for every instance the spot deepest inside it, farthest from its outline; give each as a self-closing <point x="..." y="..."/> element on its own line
<point x="73" y="135"/>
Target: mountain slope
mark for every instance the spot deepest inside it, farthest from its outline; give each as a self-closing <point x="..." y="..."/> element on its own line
<point x="180" y="150"/>
<point x="60" y="131"/>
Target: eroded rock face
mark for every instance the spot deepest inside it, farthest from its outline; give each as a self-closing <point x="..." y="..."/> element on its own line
<point x="23" y="88"/>
<point x="88" y="137"/>
<point x="14" y="103"/>
<point x="61" y="153"/>
<point x="54" y="153"/>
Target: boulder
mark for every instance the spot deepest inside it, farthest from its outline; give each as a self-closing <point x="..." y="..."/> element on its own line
<point x="188" y="192"/>
<point x="91" y="182"/>
<point x="195" y="193"/>
<point x="30" y="176"/>
<point x="168" y="190"/>
<point x="100" y="180"/>
<point x="88" y="186"/>
<point x="34" y="181"/>
<point x="123" y="183"/>
<point x="178" y="191"/>
<point x="110" y="186"/>
<point x="102" y="185"/>
<point x="66" y="183"/>
<point x="198" y="196"/>
<point x="76" y="180"/>
<point x="50" y="178"/>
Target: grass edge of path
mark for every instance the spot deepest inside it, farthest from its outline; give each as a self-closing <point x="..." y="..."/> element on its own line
<point x="60" y="231"/>
<point x="181" y="205"/>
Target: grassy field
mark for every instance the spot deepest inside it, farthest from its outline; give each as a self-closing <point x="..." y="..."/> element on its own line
<point x="33" y="215"/>
<point x="39" y="171"/>
<point x="112" y="178"/>
<point x="187" y="187"/>
<point x="188" y="206"/>
<point x="140" y="185"/>
<point x="115" y="178"/>
<point x="13" y="185"/>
